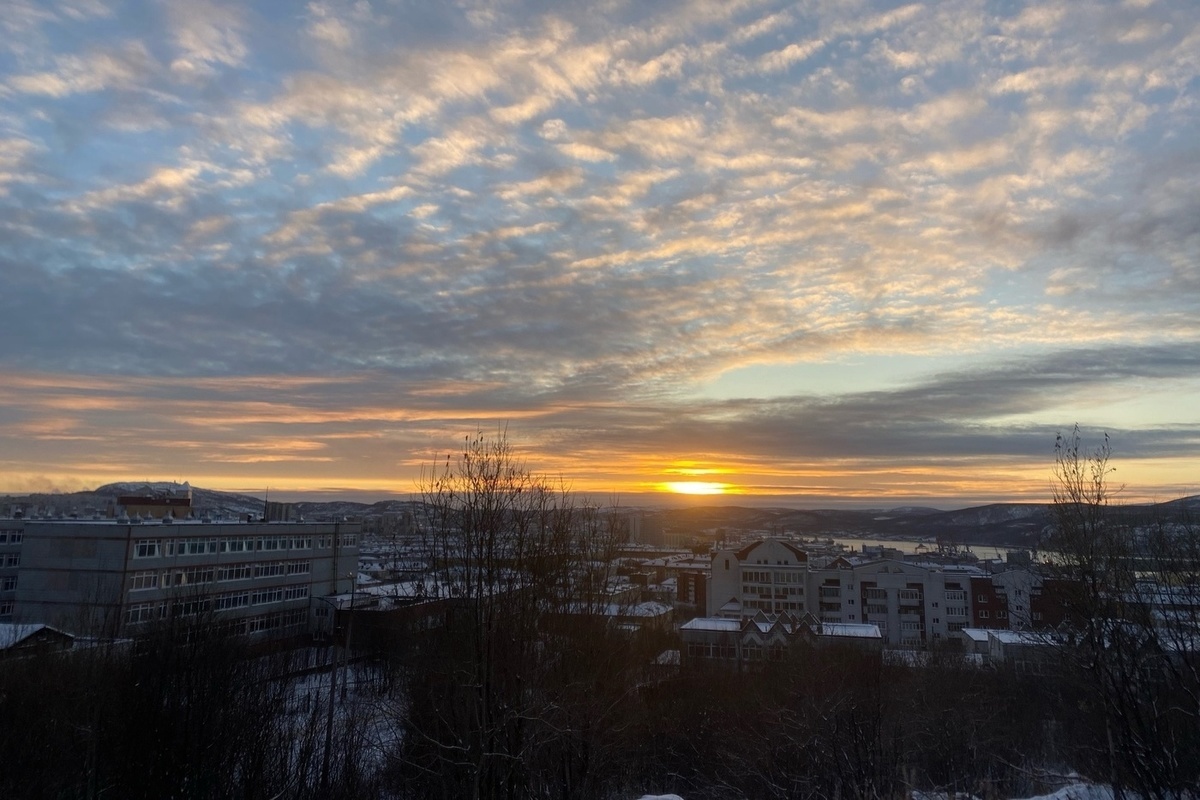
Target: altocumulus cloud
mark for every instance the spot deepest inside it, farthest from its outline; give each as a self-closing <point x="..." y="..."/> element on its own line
<point x="321" y="243"/>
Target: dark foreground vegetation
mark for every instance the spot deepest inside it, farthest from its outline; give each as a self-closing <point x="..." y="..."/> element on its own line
<point x="507" y="686"/>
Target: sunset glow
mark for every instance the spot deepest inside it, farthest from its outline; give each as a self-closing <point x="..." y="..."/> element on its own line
<point x="696" y="487"/>
<point x="864" y="251"/>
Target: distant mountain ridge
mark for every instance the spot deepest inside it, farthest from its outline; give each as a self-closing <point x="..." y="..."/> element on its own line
<point x="997" y="524"/>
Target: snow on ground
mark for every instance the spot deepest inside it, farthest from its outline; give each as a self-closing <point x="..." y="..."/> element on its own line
<point x="1079" y="791"/>
<point x="1075" y="791"/>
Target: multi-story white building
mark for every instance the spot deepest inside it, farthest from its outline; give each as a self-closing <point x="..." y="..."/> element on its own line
<point x="769" y="575"/>
<point x="113" y="577"/>
<point x="914" y="605"/>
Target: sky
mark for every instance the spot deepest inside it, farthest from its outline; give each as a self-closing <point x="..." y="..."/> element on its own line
<point x="822" y="252"/>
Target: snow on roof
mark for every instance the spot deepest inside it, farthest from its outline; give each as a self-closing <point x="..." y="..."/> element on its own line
<point x="976" y="634"/>
<point x="850" y="630"/>
<point x="712" y="624"/>
<point x="1021" y="637"/>
<point x="649" y="608"/>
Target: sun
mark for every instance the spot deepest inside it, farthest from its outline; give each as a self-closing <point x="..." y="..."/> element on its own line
<point x="696" y="487"/>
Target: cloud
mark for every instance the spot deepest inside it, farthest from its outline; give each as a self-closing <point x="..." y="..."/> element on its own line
<point x="561" y="215"/>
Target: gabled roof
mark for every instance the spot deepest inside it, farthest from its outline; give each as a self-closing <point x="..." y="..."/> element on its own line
<point x="745" y="552"/>
<point x="13" y="634"/>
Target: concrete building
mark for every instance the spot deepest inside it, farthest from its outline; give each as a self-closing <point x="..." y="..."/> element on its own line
<point x="913" y="605"/>
<point x="115" y="577"/>
<point x="769" y="575"/>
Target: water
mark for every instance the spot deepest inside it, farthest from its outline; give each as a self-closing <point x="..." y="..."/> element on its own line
<point x="912" y="546"/>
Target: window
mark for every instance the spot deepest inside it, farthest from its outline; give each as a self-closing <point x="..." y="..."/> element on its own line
<point x="12" y="560"/>
<point x="1001" y="614"/>
<point x="8" y="584"/>
<point x="146" y="548"/>
<point x="197" y="547"/>
<point x="6" y="609"/>
<point x="348" y="540"/>
<point x="264" y="623"/>
<point x="237" y="545"/>
<point x="294" y="617"/>
<point x="299" y="567"/>
<point x="1037" y="615"/>
<point x="224" y="602"/>
<point x="302" y="543"/>
<point x="140" y="612"/>
<point x="239" y="572"/>
<point x="955" y="626"/>
<point x="295" y="592"/>
<point x="143" y="580"/>
<point x="264" y="596"/>
<point x="11" y="537"/>
<point x="198" y="575"/>
<point x="190" y="608"/>
<point x="269" y="570"/>
<point x="983" y="614"/>
<point x="983" y="598"/>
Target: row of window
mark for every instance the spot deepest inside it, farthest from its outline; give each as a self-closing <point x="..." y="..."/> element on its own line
<point x="12" y="537"/>
<point x="283" y="594"/>
<point x="169" y="579"/>
<point x="767" y="605"/>
<point x="759" y="576"/>
<point x="767" y="590"/>
<point x="148" y="612"/>
<point x="155" y="548"/>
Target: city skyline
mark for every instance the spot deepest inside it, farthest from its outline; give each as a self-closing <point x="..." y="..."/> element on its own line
<point x="880" y="252"/>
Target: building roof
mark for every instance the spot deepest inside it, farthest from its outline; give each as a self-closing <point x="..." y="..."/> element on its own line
<point x="12" y="633"/>
<point x="712" y="624"/>
<point x="1021" y="637"/>
<point x="745" y="552"/>
<point x="850" y="630"/>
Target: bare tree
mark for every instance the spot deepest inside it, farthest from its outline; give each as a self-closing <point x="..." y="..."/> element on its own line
<point x="1133" y="650"/>
<point x="511" y="554"/>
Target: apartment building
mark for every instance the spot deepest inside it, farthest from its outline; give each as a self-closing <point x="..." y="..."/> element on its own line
<point x="117" y="576"/>
<point x="769" y="575"/>
<point x="913" y="605"/>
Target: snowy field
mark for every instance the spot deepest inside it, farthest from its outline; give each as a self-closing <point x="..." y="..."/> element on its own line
<point x="1077" y="791"/>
